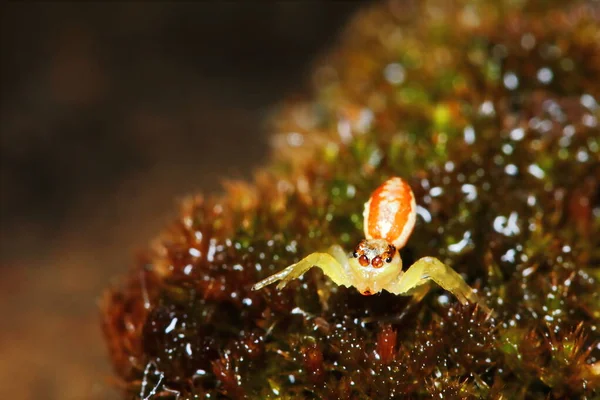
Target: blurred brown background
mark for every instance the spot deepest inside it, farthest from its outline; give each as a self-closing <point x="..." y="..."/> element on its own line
<point x="109" y="113"/>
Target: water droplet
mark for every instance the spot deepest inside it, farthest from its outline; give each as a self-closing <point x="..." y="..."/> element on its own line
<point x="507" y="226"/>
<point x="458" y="247"/>
<point x="528" y="41"/>
<point x="443" y="299"/>
<point x="545" y="75"/>
<point x="171" y="326"/>
<point x="344" y="130"/>
<point x="470" y="191"/>
<point x="469" y="134"/>
<point x="582" y="155"/>
<point x="528" y="271"/>
<point x="589" y="102"/>
<point x="545" y="125"/>
<point x="511" y="169"/>
<point x="394" y="73"/>
<point x="589" y="120"/>
<point x="487" y="108"/>
<point x="507" y="149"/>
<point x="424" y="213"/>
<point x="295" y="139"/>
<point x="564" y="141"/>
<point x="517" y="134"/>
<point x="436" y="191"/>
<point x="536" y="171"/>
<point x="511" y="81"/>
<point x="365" y="120"/>
<point x="509" y="256"/>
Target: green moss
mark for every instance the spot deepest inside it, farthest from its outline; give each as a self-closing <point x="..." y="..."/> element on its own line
<point x="495" y="126"/>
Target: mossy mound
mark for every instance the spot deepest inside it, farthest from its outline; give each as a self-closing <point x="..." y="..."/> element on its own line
<point x="490" y="111"/>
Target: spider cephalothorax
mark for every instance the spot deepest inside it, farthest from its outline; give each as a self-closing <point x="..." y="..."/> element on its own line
<point x="375" y="265"/>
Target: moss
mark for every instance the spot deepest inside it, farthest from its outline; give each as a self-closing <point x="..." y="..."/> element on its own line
<point x="490" y="111"/>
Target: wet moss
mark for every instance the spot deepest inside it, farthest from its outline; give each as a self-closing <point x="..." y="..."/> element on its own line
<point x="490" y="111"/>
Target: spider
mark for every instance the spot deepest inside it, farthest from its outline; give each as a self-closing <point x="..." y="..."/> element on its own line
<point x="375" y="265"/>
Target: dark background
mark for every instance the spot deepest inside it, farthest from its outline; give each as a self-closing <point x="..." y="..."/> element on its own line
<point x="109" y="113"/>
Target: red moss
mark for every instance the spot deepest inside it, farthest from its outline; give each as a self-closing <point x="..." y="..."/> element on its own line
<point x="514" y="211"/>
<point x="313" y="362"/>
<point x="251" y="346"/>
<point x="123" y="316"/>
<point x="227" y="374"/>
<point x="343" y="389"/>
<point x="569" y="371"/>
<point x="386" y="344"/>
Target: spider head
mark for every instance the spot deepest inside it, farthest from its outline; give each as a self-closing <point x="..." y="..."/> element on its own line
<point x="375" y="253"/>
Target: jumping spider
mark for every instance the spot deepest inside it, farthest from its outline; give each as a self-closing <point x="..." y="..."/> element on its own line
<point x="375" y="264"/>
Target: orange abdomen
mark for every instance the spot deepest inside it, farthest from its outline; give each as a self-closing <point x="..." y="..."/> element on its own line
<point x="391" y="212"/>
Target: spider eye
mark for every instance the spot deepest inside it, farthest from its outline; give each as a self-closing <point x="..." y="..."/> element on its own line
<point x="377" y="262"/>
<point x="388" y="260"/>
<point x="355" y="254"/>
<point x="363" y="260"/>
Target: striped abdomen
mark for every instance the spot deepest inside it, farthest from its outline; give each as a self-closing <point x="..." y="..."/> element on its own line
<point x="391" y="212"/>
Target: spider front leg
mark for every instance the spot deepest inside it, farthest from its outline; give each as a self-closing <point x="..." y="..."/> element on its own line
<point x="333" y="263"/>
<point x="431" y="269"/>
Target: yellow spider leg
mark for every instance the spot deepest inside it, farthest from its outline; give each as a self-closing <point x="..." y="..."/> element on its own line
<point x="327" y="262"/>
<point x="431" y="269"/>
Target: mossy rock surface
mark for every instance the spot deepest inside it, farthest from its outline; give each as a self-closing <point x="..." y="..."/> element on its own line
<point x="490" y="111"/>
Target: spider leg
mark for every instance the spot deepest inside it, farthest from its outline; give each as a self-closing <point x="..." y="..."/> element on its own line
<point x="431" y="269"/>
<point x="333" y="264"/>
